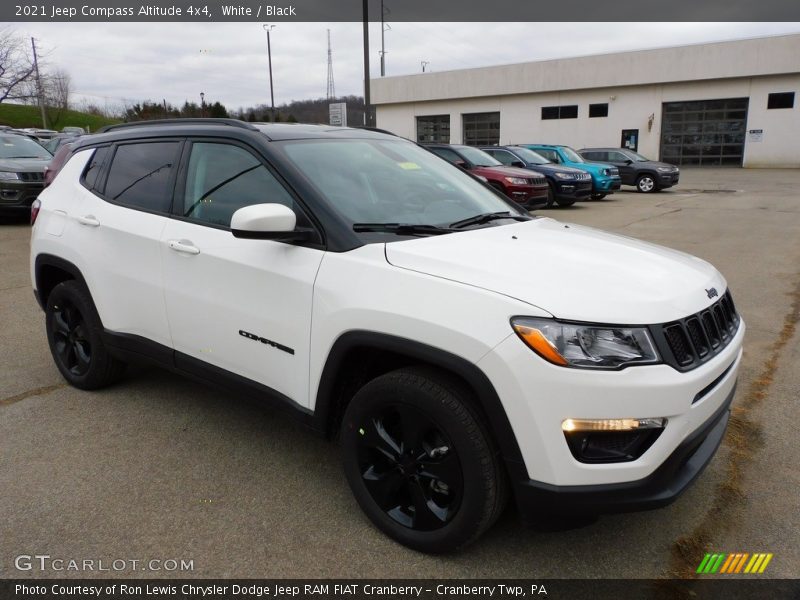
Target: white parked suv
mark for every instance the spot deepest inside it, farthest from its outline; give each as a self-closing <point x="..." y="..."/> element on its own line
<point x="461" y="349"/>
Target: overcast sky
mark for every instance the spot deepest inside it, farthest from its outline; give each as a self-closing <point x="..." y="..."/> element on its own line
<point x="116" y="62"/>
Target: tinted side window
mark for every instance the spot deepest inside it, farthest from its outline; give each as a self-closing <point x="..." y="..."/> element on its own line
<point x="94" y="167"/>
<point x="139" y="176"/>
<point x="222" y="178"/>
<point x="550" y="155"/>
<point x="447" y="154"/>
<point x="504" y="157"/>
<point x="617" y="157"/>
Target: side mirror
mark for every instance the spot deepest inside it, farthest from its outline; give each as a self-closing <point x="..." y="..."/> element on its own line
<point x="267" y="222"/>
<point x="628" y="161"/>
<point x="461" y="163"/>
<point x="518" y="163"/>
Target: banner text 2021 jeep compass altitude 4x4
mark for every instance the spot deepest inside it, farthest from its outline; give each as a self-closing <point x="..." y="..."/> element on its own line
<point x="388" y="298"/>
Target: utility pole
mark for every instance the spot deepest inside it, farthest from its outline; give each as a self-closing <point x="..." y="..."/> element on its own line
<point x="39" y="90"/>
<point x="331" y="93"/>
<point x="368" y="121"/>
<point x="384" y="27"/>
<point x="269" y="28"/>
<point x="202" y="105"/>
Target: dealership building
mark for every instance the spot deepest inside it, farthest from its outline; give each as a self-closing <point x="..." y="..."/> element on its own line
<point x="729" y="103"/>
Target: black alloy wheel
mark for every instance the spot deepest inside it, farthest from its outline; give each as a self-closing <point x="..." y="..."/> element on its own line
<point x="410" y="467"/>
<point x="72" y="345"/>
<point x="420" y="461"/>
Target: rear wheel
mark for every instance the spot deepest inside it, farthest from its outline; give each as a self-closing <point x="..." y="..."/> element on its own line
<point x="419" y="462"/>
<point x="74" y="335"/>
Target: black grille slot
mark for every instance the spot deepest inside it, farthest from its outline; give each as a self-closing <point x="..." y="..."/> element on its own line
<point x="711" y="329"/>
<point x="699" y="340"/>
<point x="537" y="181"/>
<point x="696" y="338"/>
<point x="34" y="176"/>
<point x="676" y="338"/>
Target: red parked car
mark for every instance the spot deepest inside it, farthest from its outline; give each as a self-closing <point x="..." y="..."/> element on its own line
<point x="528" y="188"/>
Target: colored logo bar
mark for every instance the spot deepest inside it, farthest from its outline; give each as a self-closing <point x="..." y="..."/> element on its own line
<point x="736" y="562"/>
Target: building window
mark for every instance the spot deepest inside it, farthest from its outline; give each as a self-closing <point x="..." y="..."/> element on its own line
<point x="481" y="129"/>
<point x="435" y="128"/>
<point x="560" y="112"/>
<point x="781" y="100"/>
<point x="598" y="110"/>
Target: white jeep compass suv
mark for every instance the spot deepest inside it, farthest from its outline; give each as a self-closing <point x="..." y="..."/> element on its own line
<point x="460" y="349"/>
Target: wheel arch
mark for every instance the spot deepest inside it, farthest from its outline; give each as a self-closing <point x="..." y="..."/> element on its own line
<point x="49" y="271"/>
<point x="334" y="393"/>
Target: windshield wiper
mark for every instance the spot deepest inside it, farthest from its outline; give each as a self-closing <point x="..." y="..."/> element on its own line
<point x="401" y="228"/>
<point x="486" y="217"/>
<point x="10" y="157"/>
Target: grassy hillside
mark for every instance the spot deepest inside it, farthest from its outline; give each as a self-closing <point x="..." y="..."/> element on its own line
<point x="18" y="115"/>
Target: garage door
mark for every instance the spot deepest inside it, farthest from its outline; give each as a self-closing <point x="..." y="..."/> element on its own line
<point x="704" y="132"/>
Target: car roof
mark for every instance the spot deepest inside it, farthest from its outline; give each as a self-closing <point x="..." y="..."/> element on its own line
<point x="272" y="131"/>
<point x="609" y="148"/>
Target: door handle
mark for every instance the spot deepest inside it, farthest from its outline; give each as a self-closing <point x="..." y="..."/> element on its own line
<point x="184" y="246"/>
<point x="89" y="220"/>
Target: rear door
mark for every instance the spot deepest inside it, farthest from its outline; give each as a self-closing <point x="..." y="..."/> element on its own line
<point x="126" y="192"/>
<point x="241" y="305"/>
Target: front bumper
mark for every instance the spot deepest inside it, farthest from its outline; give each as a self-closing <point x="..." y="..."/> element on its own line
<point x="528" y="195"/>
<point x="666" y="180"/>
<point x="18" y="196"/>
<point x="573" y="189"/>
<point x="660" y="488"/>
<point x="606" y="185"/>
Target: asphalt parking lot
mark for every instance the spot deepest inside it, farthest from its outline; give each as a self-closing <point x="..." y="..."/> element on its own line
<point x="159" y="467"/>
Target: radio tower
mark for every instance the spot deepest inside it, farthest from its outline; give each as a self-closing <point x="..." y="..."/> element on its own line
<point x="331" y="94"/>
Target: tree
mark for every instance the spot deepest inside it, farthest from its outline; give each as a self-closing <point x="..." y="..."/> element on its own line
<point x="16" y="67"/>
<point x="56" y="89"/>
<point x="217" y="111"/>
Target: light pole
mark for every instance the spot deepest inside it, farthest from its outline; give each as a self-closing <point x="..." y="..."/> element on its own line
<point x="269" y="28"/>
<point x="424" y="64"/>
<point x="202" y="104"/>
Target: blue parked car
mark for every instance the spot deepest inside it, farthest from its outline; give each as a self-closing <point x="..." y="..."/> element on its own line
<point x="605" y="178"/>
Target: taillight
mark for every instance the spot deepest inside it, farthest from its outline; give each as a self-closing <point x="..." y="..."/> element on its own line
<point x="37" y="204"/>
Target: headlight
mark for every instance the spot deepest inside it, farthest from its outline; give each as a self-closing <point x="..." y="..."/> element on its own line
<point x="516" y="180"/>
<point x="7" y="176"/>
<point x="666" y="169"/>
<point x="586" y="346"/>
<point x="564" y="175"/>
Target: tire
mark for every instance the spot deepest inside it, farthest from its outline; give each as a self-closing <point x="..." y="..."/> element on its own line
<point x="551" y="195"/>
<point x="74" y="335"/>
<point x="566" y="202"/>
<point x="598" y="196"/>
<point x="646" y="184"/>
<point x="393" y="424"/>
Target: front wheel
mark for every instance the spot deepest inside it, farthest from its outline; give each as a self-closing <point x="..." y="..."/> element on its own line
<point x="551" y="195"/>
<point x="564" y="203"/>
<point x="646" y="184"/>
<point x="598" y="196"/>
<point x="74" y="335"/>
<point x="419" y="462"/>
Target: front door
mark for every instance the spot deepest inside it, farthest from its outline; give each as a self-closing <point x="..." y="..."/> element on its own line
<point x="238" y="304"/>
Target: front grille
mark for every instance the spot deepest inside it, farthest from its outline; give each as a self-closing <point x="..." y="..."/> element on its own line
<point x="687" y="343"/>
<point x="613" y="171"/>
<point x="31" y="176"/>
<point x="537" y="181"/>
<point x="583" y="177"/>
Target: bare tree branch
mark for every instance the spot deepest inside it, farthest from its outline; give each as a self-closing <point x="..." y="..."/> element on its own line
<point x="16" y="67"/>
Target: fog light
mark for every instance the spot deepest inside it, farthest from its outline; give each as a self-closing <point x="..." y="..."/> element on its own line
<point x="611" y="440"/>
<point x="611" y="424"/>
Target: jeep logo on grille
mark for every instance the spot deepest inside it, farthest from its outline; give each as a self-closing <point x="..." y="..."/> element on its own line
<point x="712" y="292"/>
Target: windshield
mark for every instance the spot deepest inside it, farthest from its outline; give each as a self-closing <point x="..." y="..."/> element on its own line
<point x="636" y="156"/>
<point x="571" y="155"/>
<point x="18" y="146"/>
<point x="390" y="181"/>
<point x="479" y="158"/>
<point x="531" y="157"/>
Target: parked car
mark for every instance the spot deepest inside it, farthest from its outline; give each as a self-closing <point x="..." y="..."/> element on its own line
<point x="634" y="169"/>
<point x="384" y="297"/>
<point x="567" y="184"/>
<point x="605" y="178"/>
<point x="55" y="143"/>
<point x="22" y="163"/>
<point x="72" y="130"/>
<point x="528" y="188"/>
<point x="41" y="134"/>
<point x="60" y="157"/>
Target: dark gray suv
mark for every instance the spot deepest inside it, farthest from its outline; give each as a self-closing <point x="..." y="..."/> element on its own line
<point x="634" y="169"/>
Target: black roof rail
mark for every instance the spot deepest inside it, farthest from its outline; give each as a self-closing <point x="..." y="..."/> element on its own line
<point x="376" y="130"/>
<point x="191" y="121"/>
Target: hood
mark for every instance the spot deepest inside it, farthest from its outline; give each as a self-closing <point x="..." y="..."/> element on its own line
<point x="24" y="165"/>
<point x="506" y="171"/>
<point x="554" y="168"/>
<point x="572" y="272"/>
